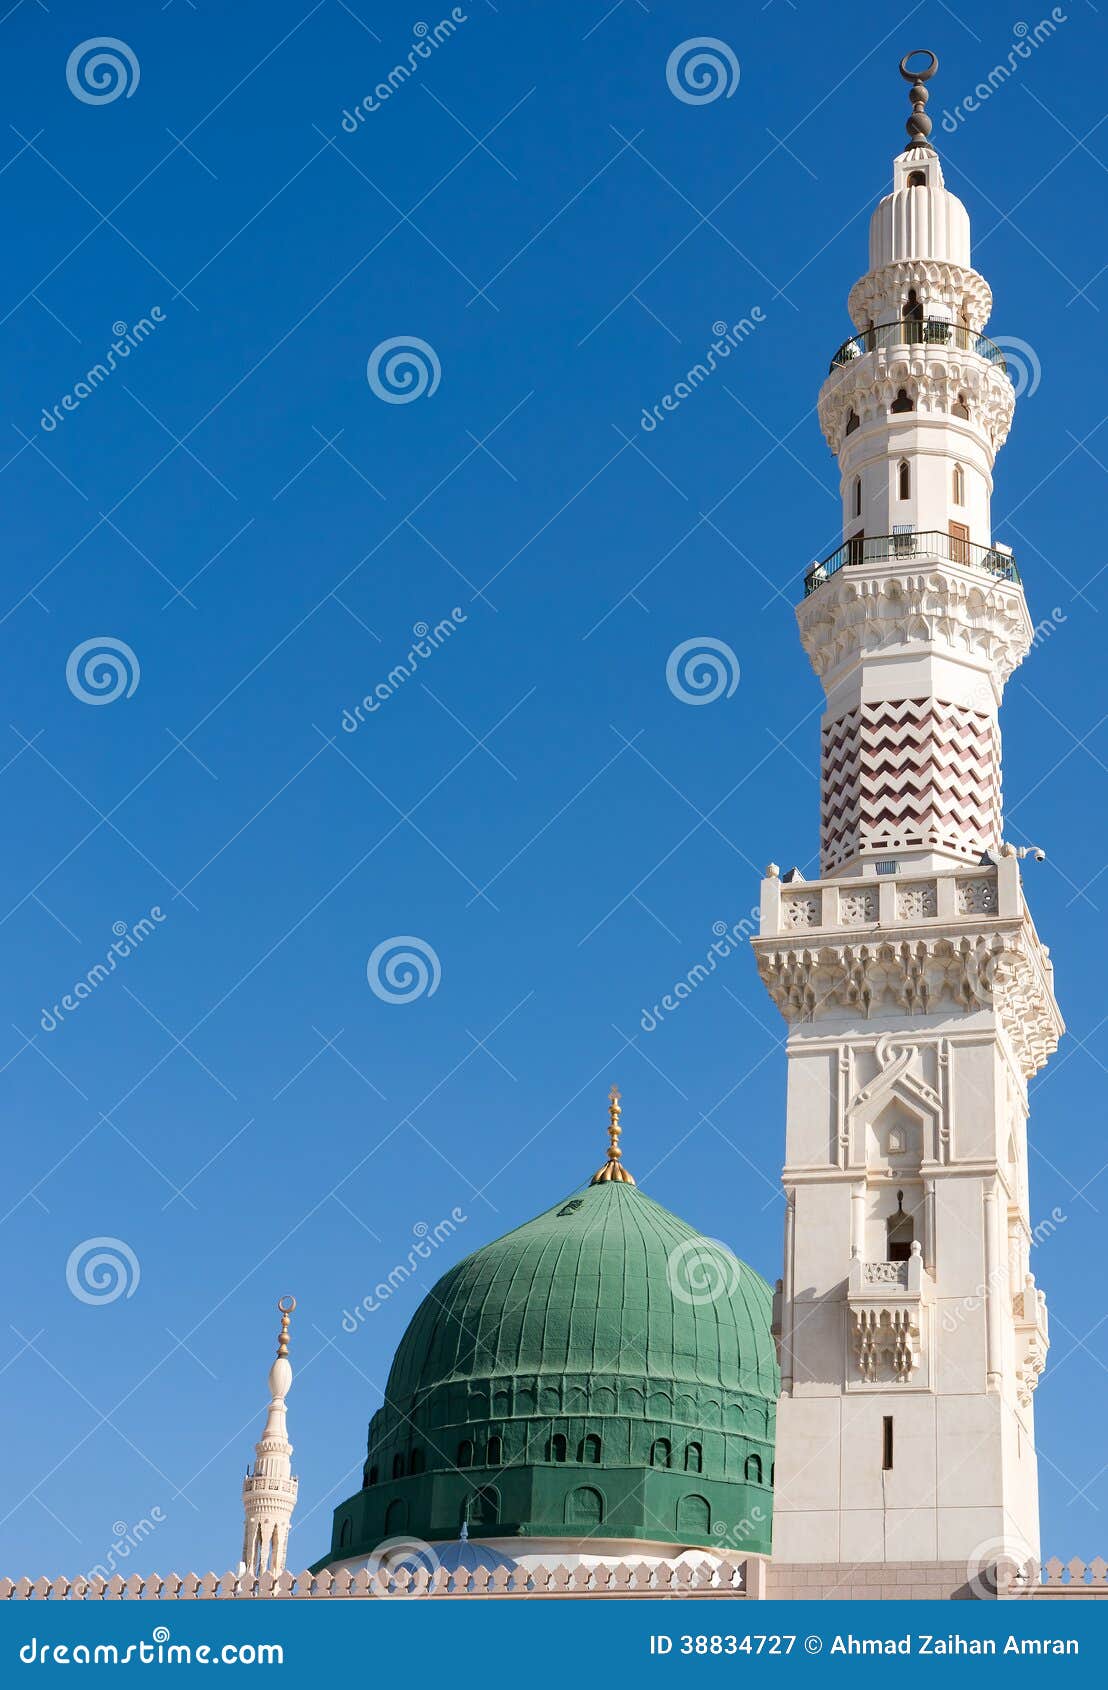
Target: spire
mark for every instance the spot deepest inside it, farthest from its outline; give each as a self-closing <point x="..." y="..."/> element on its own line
<point x="269" y="1489"/>
<point x="919" y="124"/>
<point x="613" y="1168"/>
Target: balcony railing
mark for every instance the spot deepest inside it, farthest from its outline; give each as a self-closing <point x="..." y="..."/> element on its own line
<point x="927" y="331"/>
<point x="877" y="548"/>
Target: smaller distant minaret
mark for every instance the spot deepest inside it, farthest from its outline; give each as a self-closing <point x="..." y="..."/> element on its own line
<point x="269" y="1489"/>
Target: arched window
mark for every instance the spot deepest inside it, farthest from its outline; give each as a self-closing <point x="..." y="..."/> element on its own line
<point x="694" y="1458"/>
<point x="556" y="1448"/>
<point x="346" y="1533"/>
<point x="902" y="401"/>
<point x="465" y="1453"/>
<point x="694" y="1517"/>
<point x="417" y="1463"/>
<point x="852" y="422"/>
<point x="753" y="1469"/>
<point x="913" y="318"/>
<point x="917" y="178"/>
<point x="590" y="1449"/>
<point x="958" y="484"/>
<point x="856" y="505"/>
<point x="900" y="1230"/>
<point x="960" y="408"/>
<point x="372" y="1476"/>
<point x="482" y="1507"/>
<point x="904" y="479"/>
<point x="660" y="1453"/>
<point x="398" y="1466"/>
<point x="396" y="1517"/>
<point x="494" y="1452"/>
<point x="584" y="1507"/>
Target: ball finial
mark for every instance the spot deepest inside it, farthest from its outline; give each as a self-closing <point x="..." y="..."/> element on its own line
<point x="919" y="124"/>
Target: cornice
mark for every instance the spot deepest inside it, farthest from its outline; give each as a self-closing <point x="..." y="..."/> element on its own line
<point x="933" y="376"/>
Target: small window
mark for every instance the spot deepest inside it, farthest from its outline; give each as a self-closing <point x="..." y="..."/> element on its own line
<point x="904" y="480"/>
<point x="417" y="1462"/>
<point x="895" y="1141"/>
<point x="590" y="1449"/>
<point x="887" y="1444"/>
<point x="917" y="179"/>
<point x="753" y="1469"/>
<point x="852" y="422"/>
<point x="398" y="1466"/>
<point x="902" y="401"/>
<point x="901" y="1231"/>
<point x="556" y="1448"/>
<point x="958" y="484"/>
<point x="373" y="1475"/>
<point x="584" y="1507"/>
<point x="465" y="1453"/>
<point x="694" y="1458"/>
<point x="483" y="1507"/>
<point x="346" y="1534"/>
<point x="857" y="500"/>
<point x="660" y="1453"/>
<point x="494" y="1453"/>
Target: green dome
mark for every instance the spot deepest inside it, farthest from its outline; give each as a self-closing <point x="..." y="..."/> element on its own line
<point x="602" y="1371"/>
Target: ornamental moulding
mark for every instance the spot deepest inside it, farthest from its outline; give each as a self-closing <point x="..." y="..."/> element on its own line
<point x="868" y="606"/>
<point x="1002" y="971"/>
<point x="934" y="377"/>
<point x="933" y="279"/>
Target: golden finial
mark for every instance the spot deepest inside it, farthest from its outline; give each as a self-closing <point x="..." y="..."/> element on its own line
<point x="613" y="1168"/>
<point x="284" y="1309"/>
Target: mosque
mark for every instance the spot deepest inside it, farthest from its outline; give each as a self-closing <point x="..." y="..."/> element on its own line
<point x="605" y="1386"/>
<point x="606" y="1392"/>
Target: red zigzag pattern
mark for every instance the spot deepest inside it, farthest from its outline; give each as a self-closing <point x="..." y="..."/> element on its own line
<point x="916" y="773"/>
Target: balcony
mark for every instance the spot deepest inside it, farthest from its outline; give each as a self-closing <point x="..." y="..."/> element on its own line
<point x="930" y="331"/>
<point x="996" y="561"/>
<point x="886" y="1302"/>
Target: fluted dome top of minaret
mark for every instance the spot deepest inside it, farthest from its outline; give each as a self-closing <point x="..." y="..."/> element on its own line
<point x="921" y="218"/>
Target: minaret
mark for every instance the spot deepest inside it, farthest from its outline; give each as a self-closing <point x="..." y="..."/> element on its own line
<point x="918" y="996"/>
<point x="269" y="1489"/>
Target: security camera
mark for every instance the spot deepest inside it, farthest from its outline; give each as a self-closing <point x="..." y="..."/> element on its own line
<point x="1035" y="852"/>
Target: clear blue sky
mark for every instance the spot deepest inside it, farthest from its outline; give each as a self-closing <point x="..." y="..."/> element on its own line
<point x="236" y="505"/>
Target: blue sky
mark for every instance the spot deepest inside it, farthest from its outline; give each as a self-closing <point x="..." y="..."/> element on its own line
<point x="236" y="505"/>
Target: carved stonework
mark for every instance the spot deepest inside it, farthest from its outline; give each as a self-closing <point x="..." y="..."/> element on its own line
<point x="934" y="280"/>
<point x="873" y="607"/>
<point x="800" y="910"/>
<point x="1004" y="969"/>
<point x="917" y="903"/>
<point x="886" y="1341"/>
<point x="977" y="897"/>
<point x="935" y="378"/>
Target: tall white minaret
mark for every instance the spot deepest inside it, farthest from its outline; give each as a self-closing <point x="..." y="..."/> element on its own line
<point x="918" y="995"/>
<point x="269" y="1489"/>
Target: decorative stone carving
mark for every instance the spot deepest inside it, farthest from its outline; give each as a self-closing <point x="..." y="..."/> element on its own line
<point x="876" y="295"/>
<point x="1032" y="1338"/>
<point x="800" y="910"/>
<point x="977" y="897"/>
<point x="857" y="908"/>
<point x="933" y="376"/>
<point x="1004" y="969"/>
<point x="874" y="607"/>
<point x="917" y="903"/>
<point x="885" y="1273"/>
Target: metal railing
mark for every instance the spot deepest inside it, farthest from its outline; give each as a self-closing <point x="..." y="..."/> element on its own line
<point x="927" y="331"/>
<point x="877" y="548"/>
